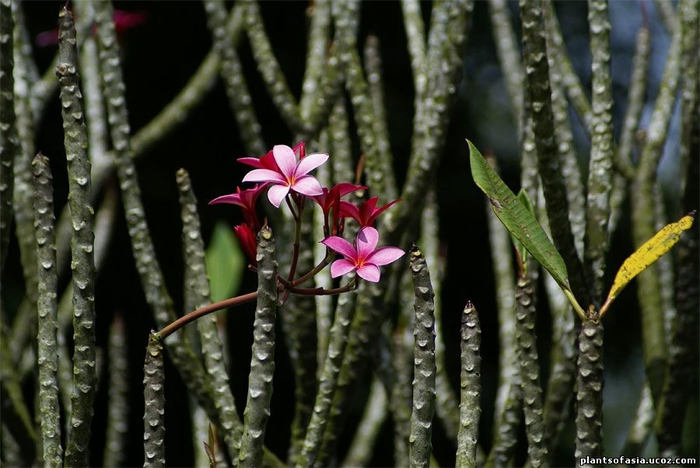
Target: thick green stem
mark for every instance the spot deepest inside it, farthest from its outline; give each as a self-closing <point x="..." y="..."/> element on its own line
<point x="118" y="396"/>
<point x="420" y="445"/>
<point x="470" y="378"/>
<point x="82" y="245"/>
<point x="47" y="308"/>
<point x="154" y="404"/>
<point x="262" y="365"/>
<point x="589" y="385"/>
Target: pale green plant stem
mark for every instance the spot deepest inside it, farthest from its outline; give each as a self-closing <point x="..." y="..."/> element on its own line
<point x="669" y="18"/>
<point x="415" y="34"/>
<point x="346" y="15"/>
<point x="642" y="201"/>
<point x="525" y="314"/>
<point x="641" y="425"/>
<point x="442" y="69"/>
<point x="300" y="332"/>
<point x="329" y="378"/>
<point x="196" y="292"/>
<point x="154" y="405"/>
<point x="9" y="140"/>
<point x="446" y="399"/>
<point x="600" y="166"/>
<point x="365" y="438"/>
<point x="628" y="134"/>
<point x="683" y="342"/>
<point x="316" y="52"/>
<point x="232" y="73"/>
<point x="147" y="266"/>
<point x="420" y="445"/>
<point x="635" y="103"/>
<point x="508" y="56"/>
<point x="47" y="308"/>
<point x="270" y="69"/>
<point x="375" y="86"/>
<point x="470" y="384"/>
<point x="21" y="438"/>
<point x="539" y="92"/>
<point x="400" y="373"/>
<point x="262" y="364"/>
<point x="118" y="408"/>
<point x="570" y="79"/>
<point x="589" y="389"/>
<point x="82" y="245"/>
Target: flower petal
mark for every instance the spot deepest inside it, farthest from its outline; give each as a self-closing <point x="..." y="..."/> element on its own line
<point x="367" y="240"/>
<point x="341" y="246"/>
<point x="232" y="198"/>
<point x="251" y="161"/>
<point x="341" y="267"/>
<point x="307" y="185"/>
<point x="369" y="272"/>
<point x="286" y="160"/>
<point x="310" y="162"/>
<point x="384" y="256"/>
<point x="264" y="175"/>
<point x="277" y="193"/>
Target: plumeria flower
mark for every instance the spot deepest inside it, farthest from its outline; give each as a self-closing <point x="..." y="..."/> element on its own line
<point x="329" y="201"/>
<point x="289" y="175"/>
<point x="366" y="213"/>
<point x="363" y="257"/>
<point x="246" y="238"/>
<point x="246" y="200"/>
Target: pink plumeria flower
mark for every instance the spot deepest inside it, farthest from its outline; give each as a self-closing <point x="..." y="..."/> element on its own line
<point x="290" y="174"/>
<point x="367" y="213"/>
<point x="363" y="257"/>
<point x="246" y="200"/>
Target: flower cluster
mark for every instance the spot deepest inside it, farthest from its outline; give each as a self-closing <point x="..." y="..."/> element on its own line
<point x="284" y="173"/>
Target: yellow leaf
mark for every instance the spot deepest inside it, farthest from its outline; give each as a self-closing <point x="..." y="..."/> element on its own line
<point x="647" y="254"/>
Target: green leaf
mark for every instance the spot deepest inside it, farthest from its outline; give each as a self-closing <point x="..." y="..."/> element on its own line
<point x="520" y="222"/>
<point x="225" y="262"/>
<point x="519" y="247"/>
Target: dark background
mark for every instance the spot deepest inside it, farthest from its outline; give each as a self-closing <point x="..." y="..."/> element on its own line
<point x="158" y="58"/>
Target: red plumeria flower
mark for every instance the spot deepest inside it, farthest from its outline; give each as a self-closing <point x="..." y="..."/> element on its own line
<point x="123" y="21"/>
<point x="363" y="257"/>
<point x="267" y="161"/>
<point x="289" y="175"/>
<point x="246" y="238"/>
<point x="246" y="200"/>
<point x="330" y="200"/>
<point x="366" y="214"/>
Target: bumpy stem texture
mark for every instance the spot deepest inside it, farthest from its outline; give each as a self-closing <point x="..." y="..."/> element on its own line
<point x="118" y="396"/>
<point x="262" y="365"/>
<point x="420" y="445"/>
<point x="329" y="378"/>
<point x="525" y="313"/>
<point x="47" y="308"/>
<point x="9" y="143"/>
<point x="470" y="383"/>
<point x="589" y="394"/>
<point x="548" y="162"/>
<point x="154" y="401"/>
<point x="197" y="295"/>
<point x="82" y="245"/>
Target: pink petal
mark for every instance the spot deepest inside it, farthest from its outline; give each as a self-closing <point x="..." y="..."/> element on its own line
<point x="384" y="256"/>
<point x="367" y="240"/>
<point x="286" y="160"/>
<point x="233" y="198"/>
<point x="307" y="185"/>
<point x="310" y="162"/>
<point x="341" y="246"/>
<point x="369" y="272"/>
<point x="250" y="161"/>
<point x="263" y="175"/>
<point x="341" y="267"/>
<point x="277" y="193"/>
